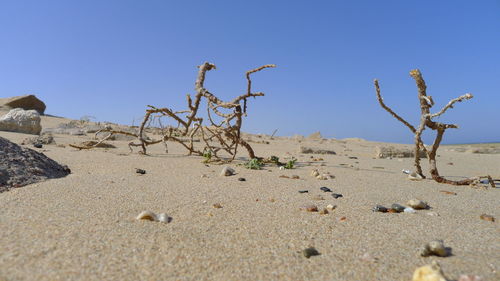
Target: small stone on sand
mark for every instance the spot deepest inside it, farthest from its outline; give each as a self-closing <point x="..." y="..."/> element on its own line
<point x="323" y="212"/>
<point x="429" y="273"/>
<point x="309" y="252"/>
<point x="337" y="195"/>
<point x="325" y="189"/>
<point x="434" y="248"/>
<point x="417" y="204"/>
<point x="331" y="207"/>
<point x="487" y="217"/>
<point x="227" y="171"/>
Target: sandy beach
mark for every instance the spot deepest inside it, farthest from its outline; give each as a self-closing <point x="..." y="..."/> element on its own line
<point x="83" y="226"/>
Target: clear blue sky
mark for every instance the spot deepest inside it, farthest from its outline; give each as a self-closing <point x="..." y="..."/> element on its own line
<point x="109" y="59"/>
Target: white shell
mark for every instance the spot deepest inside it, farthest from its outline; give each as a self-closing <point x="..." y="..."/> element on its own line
<point x="163" y="218"/>
<point x="147" y="215"/>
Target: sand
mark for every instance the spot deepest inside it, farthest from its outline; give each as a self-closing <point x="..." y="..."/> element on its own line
<point x="83" y="226"/>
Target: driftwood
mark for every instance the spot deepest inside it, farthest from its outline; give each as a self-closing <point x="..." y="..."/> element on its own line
<point x="426" y="121"/>
<point x="219" y="136"/>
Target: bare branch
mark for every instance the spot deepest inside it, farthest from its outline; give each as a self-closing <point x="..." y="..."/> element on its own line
<point x="467" y="96"/>
<point x="388" y="109"/>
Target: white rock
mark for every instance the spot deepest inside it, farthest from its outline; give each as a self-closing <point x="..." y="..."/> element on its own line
<point x="409" y="210"/>
<point x="417" y="204"/>
<point x="21" y="121"/>
<point x="415" y="177"/>
<point x="429" y="273"/>
<point x="331" y="207"/>
<point x="227" y="171"/>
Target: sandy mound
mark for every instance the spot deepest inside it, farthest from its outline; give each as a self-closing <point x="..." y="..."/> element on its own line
<point x="20" y="166"/>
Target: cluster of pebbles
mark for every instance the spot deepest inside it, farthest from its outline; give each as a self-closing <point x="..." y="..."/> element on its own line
<point x="314" y="208"/>
<point x="412" y="205"/>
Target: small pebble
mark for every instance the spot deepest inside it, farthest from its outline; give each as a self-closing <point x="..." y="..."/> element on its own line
<point x="323" y="212"/>
<point x="318" y="197"/>
<point x="203" y="176"/>
<point x="309" y="208"/>
<point x="409" y="210"/>
<point x="337" y="195"/>
<point x="227" y="171"/>
<point x="380" y="208"/>
<point x="431" y="272"/>
<point x="448" y="192"/>
<point x="217" y="205"/>
<point x="415" y="177"/>
<point x="434" y="248"/>
<point x="295" y="177"/>
<point x="325" y="189"/>
<point x="487" y="217"/>
<point x="342" y="219"/>
<point x="140" y="171"/>
<point x="417" y="204"/>
<point x="38" y="145"/>
<point x="314" y="173"/>
<point x="241" y="179"/>
<point x="164" y="218"/>
<point x="398" y="208"/>
<point x="303" y="191"/>
<point x="331" y="207"/>
<point x="285" y="177"/>
<point x="282" y="168"/>
<point x="309" y="252"/>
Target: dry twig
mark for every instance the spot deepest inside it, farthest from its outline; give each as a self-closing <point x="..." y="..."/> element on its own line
<point x="217" y="136"/>
<point x="426" y="121"/>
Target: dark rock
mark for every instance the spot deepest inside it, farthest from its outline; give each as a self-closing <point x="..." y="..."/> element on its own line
<point x="21" y="166"/>
<point x="380" y="208"/>
<point x="337" y="195"/>
<point x="309" y="252"/>
<point x="325" y="189"/>
<point x="303" y="191"/>
<point x="38" y="145"/>
<point x="140" y="171"/>
<point x="398" y="208"/>
<point x="241" y="179"/>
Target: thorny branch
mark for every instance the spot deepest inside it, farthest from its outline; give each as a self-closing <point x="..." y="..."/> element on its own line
<point x="426" y="121"/>
<point x="217" y="136"/>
